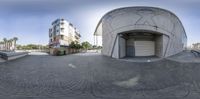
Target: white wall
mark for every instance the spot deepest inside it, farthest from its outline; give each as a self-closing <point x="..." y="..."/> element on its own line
<point x="66" y="29"/>
<point x="115" y="53"/>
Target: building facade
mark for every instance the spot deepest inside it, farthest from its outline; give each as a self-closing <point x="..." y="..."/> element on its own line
<point x="62" y="33"/>
<point x="141" y="31"/>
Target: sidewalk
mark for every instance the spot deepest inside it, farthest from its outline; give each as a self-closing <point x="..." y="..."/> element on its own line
<point x="185" y="56"/>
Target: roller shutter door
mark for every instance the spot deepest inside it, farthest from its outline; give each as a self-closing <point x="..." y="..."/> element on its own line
<point x="130" y="48"/>
<point x="144" y="48"/>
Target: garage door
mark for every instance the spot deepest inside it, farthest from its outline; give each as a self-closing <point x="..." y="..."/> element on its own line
<point x="144" y="48"/>
<point x="130" y="48"/>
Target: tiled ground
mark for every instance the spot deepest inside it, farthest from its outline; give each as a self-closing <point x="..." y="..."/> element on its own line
<point x="2" y="60"/>
<point x="92" y="76"/>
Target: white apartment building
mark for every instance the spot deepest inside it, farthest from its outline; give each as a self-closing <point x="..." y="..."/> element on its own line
<point x="62" y="33"/>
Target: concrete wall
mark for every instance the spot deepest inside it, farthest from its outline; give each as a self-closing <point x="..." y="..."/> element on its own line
<point x="159" y="46"/>
<point x="122" y="47"/>
<point x="115" y="51"/>
<point x="149" y="19"/>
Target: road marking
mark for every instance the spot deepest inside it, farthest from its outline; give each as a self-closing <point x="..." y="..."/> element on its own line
<point x="128" y="83"/>
<point x="71" y="65"/>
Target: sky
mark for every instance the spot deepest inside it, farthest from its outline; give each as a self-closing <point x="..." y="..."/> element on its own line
<point x="29" y="20"/>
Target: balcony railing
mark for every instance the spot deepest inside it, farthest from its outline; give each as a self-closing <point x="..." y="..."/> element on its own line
<point x="77" y="34"/>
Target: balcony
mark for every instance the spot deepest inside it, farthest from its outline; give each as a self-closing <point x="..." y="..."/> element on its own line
<point x="50" y="34"/>
<point x="77" y="37"/>
<point x="77" y="34"/>
<point x="62" y="23"/>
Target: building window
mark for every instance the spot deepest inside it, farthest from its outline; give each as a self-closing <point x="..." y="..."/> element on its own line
<point x="62" y="37"/>
<point x="71" y="24"/>
<point x="50" y="34"/>
<point x="62" y="23"/>
<point x="54" y="33"/>
<point x="62" y="29"/>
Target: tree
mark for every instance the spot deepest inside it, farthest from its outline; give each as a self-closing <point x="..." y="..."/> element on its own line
<point x="9" y="44"/>
<point x="1" y="45"/>
<point x="5" y="43"/>
<point x="94" y="46"/>
<point x="9" y="41"/>
<point x="15" y="40"/>
<point x="75" y="45"/>
<point x="99" y="47"/>
<point x="32" y="46"/>
<point x="72" y="45"/>
<point x="78" y="46"/>
<point x="86" y="45"/>
<point x="19" y="47"/>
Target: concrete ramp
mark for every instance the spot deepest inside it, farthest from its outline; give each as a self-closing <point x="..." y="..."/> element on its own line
<point x="12" y="55"/>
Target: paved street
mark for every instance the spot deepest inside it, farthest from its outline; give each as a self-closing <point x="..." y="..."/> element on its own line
<point x="92" y="76"/>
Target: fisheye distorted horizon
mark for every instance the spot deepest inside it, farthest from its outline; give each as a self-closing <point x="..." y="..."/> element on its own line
<point x="29" y="20"/>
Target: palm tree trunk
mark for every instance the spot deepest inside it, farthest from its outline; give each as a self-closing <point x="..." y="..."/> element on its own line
<point x="9" y="46"/>
<point x="4" y="48"/>
<point x="15" y="45"/>
<point x="6" y="45"/>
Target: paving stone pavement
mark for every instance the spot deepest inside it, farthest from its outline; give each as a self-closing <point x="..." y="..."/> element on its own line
<point x="92" y="76"/>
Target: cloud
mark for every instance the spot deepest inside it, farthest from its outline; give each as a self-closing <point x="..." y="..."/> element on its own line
<point x="85" y="14"/>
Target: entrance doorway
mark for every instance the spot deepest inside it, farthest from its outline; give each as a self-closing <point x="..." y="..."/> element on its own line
<point x="140" y="44"/>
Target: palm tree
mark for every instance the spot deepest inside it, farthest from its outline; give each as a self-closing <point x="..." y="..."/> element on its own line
<point x="11" y="44"/>
<point x="15" y="40"/>
<point x="5" y="43"/>
<point x="8" y="45"/>
<point x="1" y="45"/>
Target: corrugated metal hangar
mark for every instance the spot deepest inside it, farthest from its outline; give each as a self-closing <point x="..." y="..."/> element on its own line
<point x="141" y="31"/>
